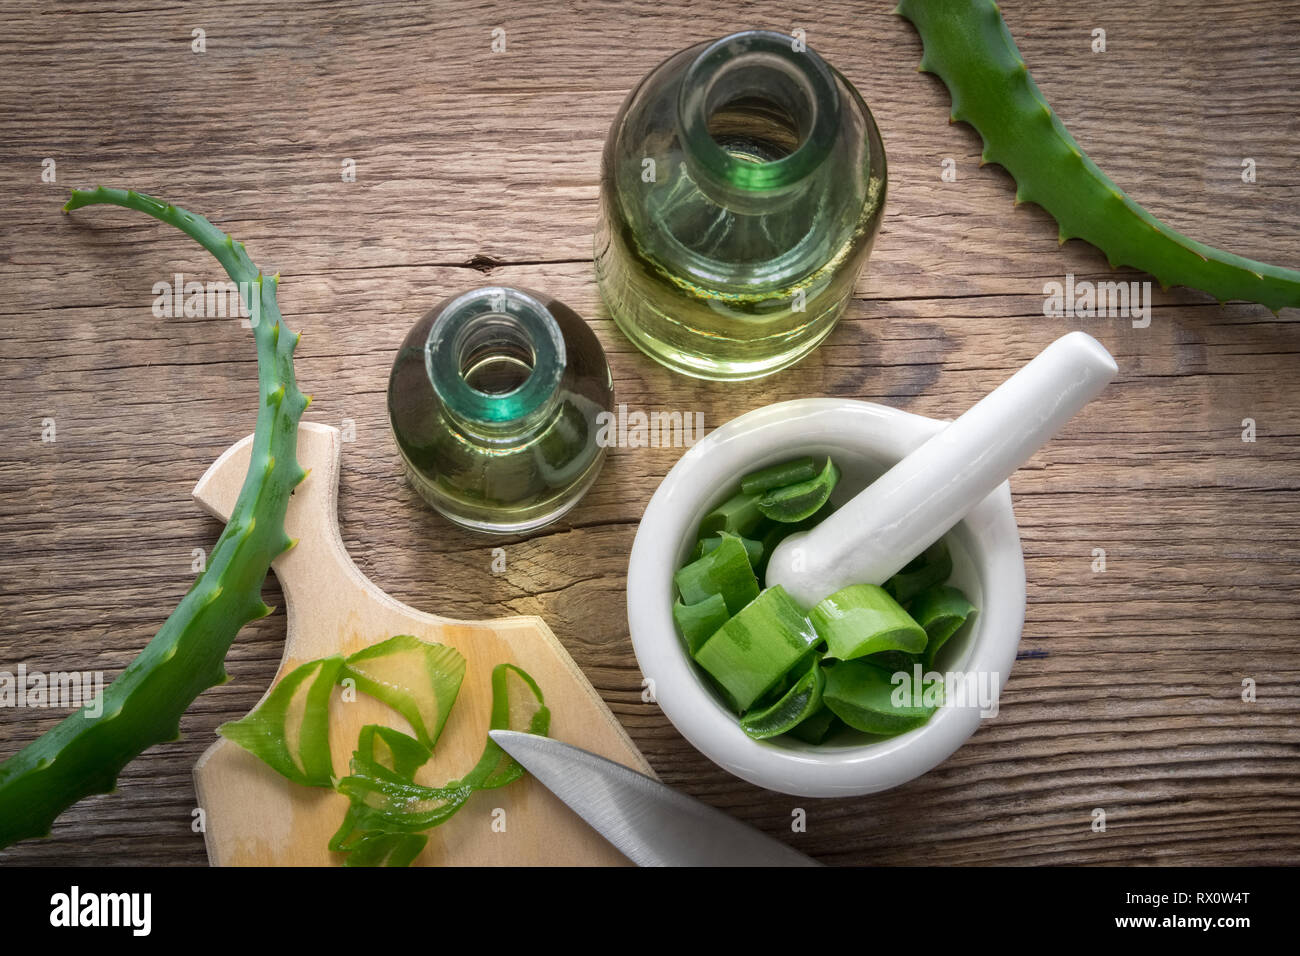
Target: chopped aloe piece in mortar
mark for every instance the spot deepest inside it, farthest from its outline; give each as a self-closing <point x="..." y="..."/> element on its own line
<point x="802" y="500"/>
<point x="779" y="475"/>
<point x="895" y="660"/>
<point x="932" y="566"/>
<point x="863" y="696"/>
<point x="725" y="570"/>
<point x="863" y="619"/>
<point x="738" y="515"/>
<point x="801" y="700"/>
<point x="709" y="544"/>
<point x="755" y="649"/>
<point x="698" y="622"/>
<point x="817" y="726"/>
<point x="941" y="610"/>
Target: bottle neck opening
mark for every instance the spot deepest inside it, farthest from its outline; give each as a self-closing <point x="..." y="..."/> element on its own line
<point x="756" y="115"/>
<point x="495" y="357"/>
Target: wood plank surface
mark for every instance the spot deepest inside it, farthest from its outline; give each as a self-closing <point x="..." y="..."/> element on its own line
<point x="476" y="166"/>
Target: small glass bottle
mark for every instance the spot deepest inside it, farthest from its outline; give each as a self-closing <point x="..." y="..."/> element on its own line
<point x="494" y="399"/>
<point x="742" y="186"/>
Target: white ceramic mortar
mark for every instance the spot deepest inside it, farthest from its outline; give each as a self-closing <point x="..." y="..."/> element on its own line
<point x="866" y="440"/>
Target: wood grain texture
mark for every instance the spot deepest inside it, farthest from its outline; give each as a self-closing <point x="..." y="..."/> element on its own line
<point x="474" y="165"/>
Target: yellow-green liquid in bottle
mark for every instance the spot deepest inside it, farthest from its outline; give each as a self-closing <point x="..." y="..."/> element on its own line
<point x="742" y="187"/>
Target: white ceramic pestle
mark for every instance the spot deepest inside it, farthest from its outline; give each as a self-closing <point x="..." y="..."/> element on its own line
<point x="917" y="501"/>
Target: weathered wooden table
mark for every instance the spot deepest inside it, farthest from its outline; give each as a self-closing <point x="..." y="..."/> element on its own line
<point x="476" y="166"/>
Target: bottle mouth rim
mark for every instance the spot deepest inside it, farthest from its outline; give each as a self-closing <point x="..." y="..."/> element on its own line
<point x="501" y="320"/>
<point x="796" y="75"/>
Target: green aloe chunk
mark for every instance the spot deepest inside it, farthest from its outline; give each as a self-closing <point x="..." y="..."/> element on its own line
<point x="738" y="515"/>
<point x="755" y="649"/>
<point x="941" y="610"/>
<point x="802" y="500"/>
<point x="867" y="698"/>
<point x="802" y="699"/>
<point x="710" y="544"/>
<point x="698" y="622"/>
<point x="932" y="566"/>
<point x="863" y="619"/>
<point x="895" y="660"/>
<point x="817" y="726"/>
<point x="725" y="570"/>
<point x="779" y="475"/>
<point x="290" y="729"/>
<point x="777" y="690"/>
<point x="418" y="679"/>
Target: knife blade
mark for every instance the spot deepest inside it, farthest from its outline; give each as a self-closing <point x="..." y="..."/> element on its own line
<point x="651" y="824"/>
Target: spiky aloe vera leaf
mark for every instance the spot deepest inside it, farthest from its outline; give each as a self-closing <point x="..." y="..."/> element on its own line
<point x="967" y="44"/>
<point x="83" y="754"/>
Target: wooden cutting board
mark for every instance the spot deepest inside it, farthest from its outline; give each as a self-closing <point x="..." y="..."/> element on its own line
<point x="253" y="816"/>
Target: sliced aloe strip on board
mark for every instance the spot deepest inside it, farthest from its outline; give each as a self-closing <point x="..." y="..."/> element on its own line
<point x="378" y="848"/>
<point x="798" y="703"/>
<point x="799" y="501"/>
<point x="517" y="704"/>
<point x="779" y="475"/>
<point x="725" y="570"/>
<point x="289" y="730"/>
<point x="399" y="752"/>
<point x="864" y="697"/>
<point x="418" y="679"/>
<point x="932" y="566"/>
<point x="698" y="622"/>
<point x="386" y="803"/>
<point x="738" y="515"/>
<point x="755" y="649"/>
<point x="941" y="610"/>
<point x="863" y="619"/>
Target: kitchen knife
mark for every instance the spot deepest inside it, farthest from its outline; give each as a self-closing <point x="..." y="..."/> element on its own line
<point x="649" y="823"/>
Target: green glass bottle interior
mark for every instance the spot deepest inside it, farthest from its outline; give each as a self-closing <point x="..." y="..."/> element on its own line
<point x="742" y="186"/>
<point x="494" y="399"/>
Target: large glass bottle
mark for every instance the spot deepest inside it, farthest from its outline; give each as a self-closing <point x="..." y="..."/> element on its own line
<point x="742" y="186"/>
<point x="494" y="399"/>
